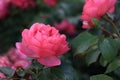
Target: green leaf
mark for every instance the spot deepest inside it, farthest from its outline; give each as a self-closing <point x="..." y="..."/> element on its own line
<point x="100" y="77"/>
<point x="96" y="22"/>
<point x="117" y="40"/>
<point x="82" y="42"/>
<point x="108" y="48"/>
<point x="102" y="61"/>
<point x="66" y="69"/>
<point x="92" y="56"/>
<point x="7" y="71"/>
<point x="113" y="65"/>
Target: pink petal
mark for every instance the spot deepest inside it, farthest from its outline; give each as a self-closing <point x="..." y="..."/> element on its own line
<point x="112" y="10"/>
<point x="23" y="49"/>
<point x="85" y="25"/>
<point x="2" y="75"/>
<point x="50" y="61"/>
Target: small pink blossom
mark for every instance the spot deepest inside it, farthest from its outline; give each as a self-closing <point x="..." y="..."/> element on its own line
<point x="44" y="43"/>
<point x="66" y="27"/>
<point x="96" y="9"/>
<point x="51" y="2"/>
<point x="24" y="4"/>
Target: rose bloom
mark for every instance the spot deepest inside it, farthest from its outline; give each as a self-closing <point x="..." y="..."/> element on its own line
<point x="18" y="60"/>
<point x="4" y="61"/>
<point x="20" y="64"/>
<point x="65" y="26"/>
<point x="96" y="9"/>
<point x="51" y="2"/>
<point x="43" y="43"/>
<point x="14" y="55"/>
<point x="2" y="75"/>
<point x="24" y="4"/>
<point x="4" y="8"/>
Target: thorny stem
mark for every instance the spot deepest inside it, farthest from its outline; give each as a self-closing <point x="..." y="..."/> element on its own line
<point x="105" y="30"/>
<point x="39" y="70"/>
<point x="44" y="68"/>
<point x="107" y="18"/>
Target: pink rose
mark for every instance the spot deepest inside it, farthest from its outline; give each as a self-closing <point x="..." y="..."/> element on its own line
<point x="4" y="61"/>
<point x="14" y="55"/>
<point x="44" y="43"/>
<point x="17" y="59"/>
<point x="4" y="8"/>
<point x="96" y="9"/>
<point x="2" y="75"/>
<point x="66" y="27"/>
<point x="51" y="2"/>
<point x="24" y="4"/>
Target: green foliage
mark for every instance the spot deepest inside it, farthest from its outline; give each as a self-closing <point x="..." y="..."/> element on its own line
<point x="109" y="49"/>
<point x="63" y="72"/>
<point x="7" y="71"/>
<point x="103" y="62"/>
<point x="92" y="56"/>
<point x="96" y="23"/>
<point x="100" y="77"/>
<point x="113" y="65"/>
<point x="82" y="42"/>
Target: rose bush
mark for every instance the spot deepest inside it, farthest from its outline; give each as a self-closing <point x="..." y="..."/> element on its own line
<point x="40" y="54"/>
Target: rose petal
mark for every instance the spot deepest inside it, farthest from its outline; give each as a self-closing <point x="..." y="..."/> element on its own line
<point x="50" y="61"/>
<point x="85" y="25"/>
<point x="23" y="49"/>
<point x="2" y="75"/>
<point x="112" y="10"/>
